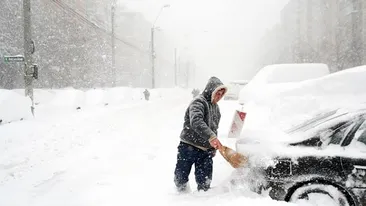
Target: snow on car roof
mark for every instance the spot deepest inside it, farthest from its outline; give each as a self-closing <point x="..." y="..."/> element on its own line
<point x="239" y="82"/>
<point x="277" y="73"/>
<point x="273" y="80"/>
<point x="348" y="81"/>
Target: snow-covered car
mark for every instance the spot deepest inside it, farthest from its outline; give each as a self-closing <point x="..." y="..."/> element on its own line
<point x="273" y="79"/>
<point x="257" y="97"/>
<point x="304" y="98"/>
<point x="324" y="159"/>
<point x="234" y="88"/>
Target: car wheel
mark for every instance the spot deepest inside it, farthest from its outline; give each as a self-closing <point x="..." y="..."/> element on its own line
<point x="319" y="194"/>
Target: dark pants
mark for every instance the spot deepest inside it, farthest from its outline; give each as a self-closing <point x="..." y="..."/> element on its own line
<point x="202" y="160"/>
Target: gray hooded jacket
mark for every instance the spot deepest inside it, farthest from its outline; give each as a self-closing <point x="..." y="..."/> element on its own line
<point x="202" y="117"/>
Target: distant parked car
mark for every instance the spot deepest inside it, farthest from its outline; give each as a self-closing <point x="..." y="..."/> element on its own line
<point x="324" y="160"/>
<point x="234" y="88"/>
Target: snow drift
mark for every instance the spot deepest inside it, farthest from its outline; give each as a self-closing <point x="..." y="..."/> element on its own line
<point x="296" y="102"/>
<point x="13" y="106"/>
<point x="273" y="79"/>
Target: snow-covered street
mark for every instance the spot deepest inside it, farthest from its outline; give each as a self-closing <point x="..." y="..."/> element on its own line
<point x="111" y="154"/>
<point x="182" y="103"/>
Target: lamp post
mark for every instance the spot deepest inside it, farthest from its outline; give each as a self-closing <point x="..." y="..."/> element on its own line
<point x="114" y="73"/>
<point x="175" y="68"/>
<point x="153" y="55"/>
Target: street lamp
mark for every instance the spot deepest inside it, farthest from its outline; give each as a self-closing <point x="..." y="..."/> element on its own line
<point x="153" y="55"/>
<point x="114" y="72"/>
<point x="190" y="66"/>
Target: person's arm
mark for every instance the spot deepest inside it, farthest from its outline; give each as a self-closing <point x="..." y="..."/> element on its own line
<point x="196" y="116"/>
<point x="218" y="117"/>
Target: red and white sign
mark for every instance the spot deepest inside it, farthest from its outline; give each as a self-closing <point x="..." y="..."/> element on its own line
<point x="237" y="124"/>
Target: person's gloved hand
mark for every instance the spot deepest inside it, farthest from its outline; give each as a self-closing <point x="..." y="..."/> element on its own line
<point x="215" y="143"/>
<point x="213" y="153"/>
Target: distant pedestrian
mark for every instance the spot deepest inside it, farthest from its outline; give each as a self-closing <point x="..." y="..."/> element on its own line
<point x="195" y="92"/>
<point x="147" y="95"/>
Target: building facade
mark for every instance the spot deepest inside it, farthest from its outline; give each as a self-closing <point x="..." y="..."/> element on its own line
<point x="331" y="32"/>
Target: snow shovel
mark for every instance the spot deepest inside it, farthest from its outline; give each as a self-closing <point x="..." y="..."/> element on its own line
<point x="235" y="159"/>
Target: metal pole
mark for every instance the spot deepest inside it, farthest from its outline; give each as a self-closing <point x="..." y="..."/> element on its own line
<point x="152" y="59"/>
<point x="28" y="49"/>
<point x="187" y="73"/>
<point x="194" y="74"/>
<point x="179" y="70"/>
<point x="153" y="56"/>
<point x="175" y="67"/>
<point x="114" y="73"/>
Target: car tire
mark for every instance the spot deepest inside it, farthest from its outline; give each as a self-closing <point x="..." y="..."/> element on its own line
<point x="320" y="194"/>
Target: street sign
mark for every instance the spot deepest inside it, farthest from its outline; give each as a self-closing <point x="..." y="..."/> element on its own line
<point x="14" y="58"/>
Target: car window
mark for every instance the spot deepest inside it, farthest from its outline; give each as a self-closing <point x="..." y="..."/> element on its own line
<point x="341" y="132"/>
<point x="359" y="140"/>
<point x="311" y="123"/>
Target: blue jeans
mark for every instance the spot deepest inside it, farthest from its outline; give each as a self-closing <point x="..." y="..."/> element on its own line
<point x="202" y="160"/>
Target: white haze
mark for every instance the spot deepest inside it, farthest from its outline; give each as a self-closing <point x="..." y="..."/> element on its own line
<point x="220" y="35"/>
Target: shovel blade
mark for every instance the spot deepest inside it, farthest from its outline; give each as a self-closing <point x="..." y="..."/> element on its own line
<point x="235" y="159"/>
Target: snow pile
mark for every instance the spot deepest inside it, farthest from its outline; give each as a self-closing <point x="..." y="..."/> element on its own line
<point x="284" y="73"/>
<point x="336" y="90"/>
<point x="339" y="83"/>
<point x="300" y="101"/>
<point x="85" y="98"/>
<point x="100" y="96"/>
<point x="13" y="106"/>
<point x="67" y="97"/>
<point x="170" y="93"/>
<point x="274" y="79"/>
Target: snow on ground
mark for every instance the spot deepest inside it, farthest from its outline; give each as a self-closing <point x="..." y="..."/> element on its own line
<point x="14" y="106"/>
<point x="116" y="154"/>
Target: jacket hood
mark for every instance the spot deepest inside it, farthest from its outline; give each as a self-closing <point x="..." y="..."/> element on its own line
<point x="214" y="84"/>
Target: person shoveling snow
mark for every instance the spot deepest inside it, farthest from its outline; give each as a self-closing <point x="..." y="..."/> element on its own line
<point x="198" y="139"/>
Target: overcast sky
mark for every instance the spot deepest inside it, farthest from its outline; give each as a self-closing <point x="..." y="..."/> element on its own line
<point x="220" y="34"/>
